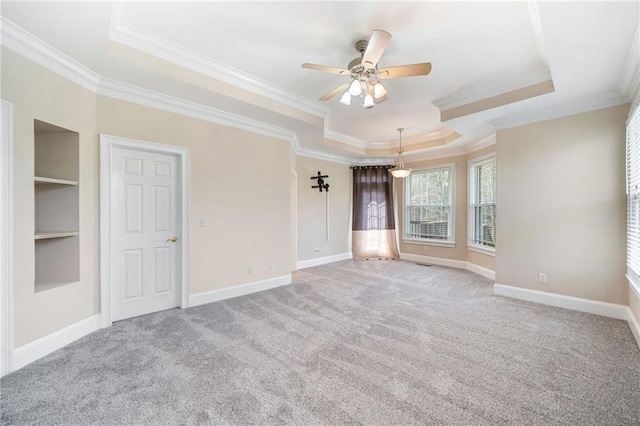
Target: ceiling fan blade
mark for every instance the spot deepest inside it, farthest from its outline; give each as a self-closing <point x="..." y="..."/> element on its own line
<point x="324" y="68"/>
<point x="377" y="44"/>
<point x="405" y="71"/>
<point x="335" y="91"/>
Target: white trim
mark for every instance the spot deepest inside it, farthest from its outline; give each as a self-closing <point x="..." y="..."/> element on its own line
<point x="43" y="346"/>
<point x="447" y="152"/>
<point x="238" y="290"/>
<point x="107" y="144"/>
<point x="481" y="270"/>
<point x="634" y="281"/>
<point x="159" y="47"/>
<point x="426" y="242"/>
<point x="29" y="46"/>
<point x="473" y="160"/>
<point x="6" y="237"/>
<point x="43" y="54"/>
<point x="630" y="76"/>
<point x="303" y="264"/>
<point x="489" y="251"/>
<point x="634" y="325"/>
<point x="610" y="310"/>
<point x="451" y="263"/>
<point x="478" y="93"/>
<point x="550" y="112"/>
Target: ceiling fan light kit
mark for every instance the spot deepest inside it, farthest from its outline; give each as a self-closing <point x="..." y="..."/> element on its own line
<point x="365" y="75"/>
<point x="400" y="171"/>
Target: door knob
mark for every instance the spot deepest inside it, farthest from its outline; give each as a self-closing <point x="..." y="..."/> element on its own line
<point x="172" y="240"/>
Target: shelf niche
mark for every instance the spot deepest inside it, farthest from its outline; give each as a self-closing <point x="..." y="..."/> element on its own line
<point x="57" y="201"/>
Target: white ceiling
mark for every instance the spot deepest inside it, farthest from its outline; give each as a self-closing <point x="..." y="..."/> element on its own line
<point x="230" y="55"/>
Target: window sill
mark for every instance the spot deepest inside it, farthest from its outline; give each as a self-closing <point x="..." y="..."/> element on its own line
<point x="482" y="250"/>
<point x="634" y="281"/>
<point x="437" y="243"/>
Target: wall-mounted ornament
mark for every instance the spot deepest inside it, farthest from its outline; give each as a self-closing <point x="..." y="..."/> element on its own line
<point x="321" y="185"/>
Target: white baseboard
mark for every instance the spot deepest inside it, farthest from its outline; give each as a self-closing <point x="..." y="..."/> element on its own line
<point x="634" y="325"/>
<point x="323" y="260"/>
<point x="451" y="263"/>
<point x="239" y="290"/>
<point x="605" y="309"/>
<point x="43" y="346"/>
<point x="481" y="270"/>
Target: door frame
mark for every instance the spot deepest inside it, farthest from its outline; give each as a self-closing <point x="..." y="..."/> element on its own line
<point x="6" y="237"/>
<point x="107" y="144"/>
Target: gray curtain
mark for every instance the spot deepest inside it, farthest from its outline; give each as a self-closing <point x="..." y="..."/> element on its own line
<point x="374" y="235"/>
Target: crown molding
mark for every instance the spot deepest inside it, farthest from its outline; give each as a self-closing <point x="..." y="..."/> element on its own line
<point x="447" y="152"/>
<point x="137" y="95"/>
<point x="578" y="106"/>
<point x="629" y="80"/>
<point x="31" y="47"/>
<point x="479" y="93"/>
<point x="342" y="138"/>
<point x="157" y="46"/>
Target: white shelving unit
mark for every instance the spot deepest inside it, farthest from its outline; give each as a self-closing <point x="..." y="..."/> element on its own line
<point x="56" y="191"/>
<point x="38" y="180"/>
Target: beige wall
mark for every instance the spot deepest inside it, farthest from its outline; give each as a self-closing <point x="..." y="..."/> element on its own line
<point x="312" y="209"/>
<point x="37" y="93"/>
<point x="561" y="204"/>
<point x="239" y="181"/>
<point x="247" y="217"/>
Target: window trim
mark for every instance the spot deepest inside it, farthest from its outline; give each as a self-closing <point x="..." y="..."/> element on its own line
<point x="633" y="277"/>
<point x="451" y="241"/>
<point x="491" y="251"/>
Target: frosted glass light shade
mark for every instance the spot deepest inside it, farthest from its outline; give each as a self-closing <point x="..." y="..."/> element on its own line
<point x="379" y="90"/>
<point x="368" y="101"/>
<point x="400" y="171"/>
<point x="355" y="88"/>
<point x="346" y="98"/>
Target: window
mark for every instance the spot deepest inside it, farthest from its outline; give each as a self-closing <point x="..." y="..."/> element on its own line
<point x="633" y="190"/>
<point x="428" y="208"/>
<point x="482" y="188"/>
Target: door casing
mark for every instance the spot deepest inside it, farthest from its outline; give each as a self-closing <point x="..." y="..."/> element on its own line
<point x="107" y="144"/>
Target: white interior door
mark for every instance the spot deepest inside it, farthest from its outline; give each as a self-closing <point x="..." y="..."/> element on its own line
<point x="144" y="230"/>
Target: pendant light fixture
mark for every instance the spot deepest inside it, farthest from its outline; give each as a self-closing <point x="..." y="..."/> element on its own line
<point x="400" y="171"/>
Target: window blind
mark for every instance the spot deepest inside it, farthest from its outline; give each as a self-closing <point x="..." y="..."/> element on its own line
<point x="483" y="202"/>
<point x="428" y="206"/>
<point x="633" y="190"/>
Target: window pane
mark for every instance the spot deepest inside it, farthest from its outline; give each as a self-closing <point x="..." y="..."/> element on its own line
<point x="428" y="204"/>
<point x="484" y="230"/>
<point x="483" y="203"/>
<point x="428" y="222"/>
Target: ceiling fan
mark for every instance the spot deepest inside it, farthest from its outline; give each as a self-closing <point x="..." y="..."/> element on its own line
<point x="365" y="76"/>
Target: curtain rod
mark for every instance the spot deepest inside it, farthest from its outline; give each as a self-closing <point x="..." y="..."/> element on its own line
<point x="379" y="166"/>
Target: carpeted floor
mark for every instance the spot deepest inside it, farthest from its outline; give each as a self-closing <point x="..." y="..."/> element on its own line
<point x="376" y="343"/>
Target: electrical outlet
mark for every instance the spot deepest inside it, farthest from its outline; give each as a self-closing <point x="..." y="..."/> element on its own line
<point x="250" y="270"/>
<point x="271" y="267"/>
<point x="203" y="222"/>
<point x="542" y="277"/>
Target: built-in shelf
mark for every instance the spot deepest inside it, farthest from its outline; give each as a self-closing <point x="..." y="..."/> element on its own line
<point x="41" y="286"/>
<point x="56" y="206"/>
<point x="39" y="180"/>
<point x="47" y="235"/>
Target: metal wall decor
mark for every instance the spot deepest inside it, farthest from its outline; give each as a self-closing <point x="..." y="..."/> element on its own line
<point x="321" y="185"/>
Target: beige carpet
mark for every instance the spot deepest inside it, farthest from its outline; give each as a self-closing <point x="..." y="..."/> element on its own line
<point x="376" y="343"/>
